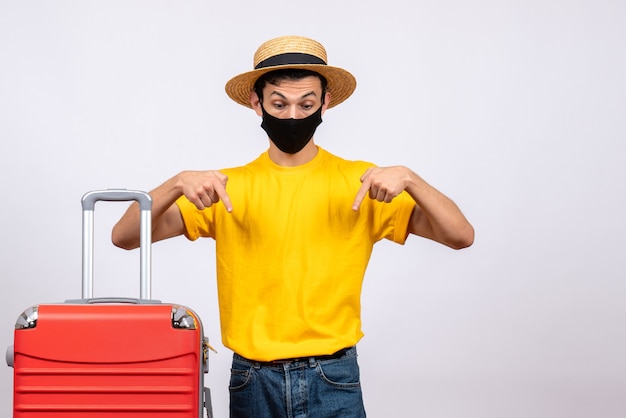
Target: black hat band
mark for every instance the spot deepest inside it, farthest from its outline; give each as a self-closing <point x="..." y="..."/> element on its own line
<point x="290" y="58"/>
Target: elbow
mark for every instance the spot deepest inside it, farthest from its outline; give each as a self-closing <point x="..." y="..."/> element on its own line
<point x="120" y="240"/>
<point x="463" y="239"/>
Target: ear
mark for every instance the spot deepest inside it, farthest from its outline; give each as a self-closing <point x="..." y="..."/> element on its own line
<point x="326" y="102"/>
<point x="255" y="103"/>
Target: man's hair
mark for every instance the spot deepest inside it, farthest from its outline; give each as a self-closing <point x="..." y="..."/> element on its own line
<point x="275" y="77"/>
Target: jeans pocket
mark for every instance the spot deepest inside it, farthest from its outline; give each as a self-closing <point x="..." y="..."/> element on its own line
<point x="239" y="379"/>
<point x="342" y="373"/>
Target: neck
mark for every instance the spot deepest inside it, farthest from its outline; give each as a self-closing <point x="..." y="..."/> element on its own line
<point x="303" y="156"/>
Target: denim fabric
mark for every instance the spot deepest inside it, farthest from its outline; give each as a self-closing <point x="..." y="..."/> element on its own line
<point x="303" y="389"/>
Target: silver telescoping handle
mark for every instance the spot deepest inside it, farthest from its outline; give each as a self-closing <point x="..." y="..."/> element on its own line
<point x="145" y="206"/>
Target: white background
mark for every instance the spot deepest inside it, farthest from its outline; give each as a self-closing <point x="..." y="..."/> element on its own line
<point x="515" y="109"/>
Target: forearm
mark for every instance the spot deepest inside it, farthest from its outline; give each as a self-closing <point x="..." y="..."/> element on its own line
<point x="125" y="233"/>
<point x="436" y="216"/>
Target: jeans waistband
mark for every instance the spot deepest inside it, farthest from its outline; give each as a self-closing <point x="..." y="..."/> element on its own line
<point x="337" y="355"/>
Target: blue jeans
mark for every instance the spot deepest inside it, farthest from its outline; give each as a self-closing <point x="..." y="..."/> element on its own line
<point x="309" y="388"/>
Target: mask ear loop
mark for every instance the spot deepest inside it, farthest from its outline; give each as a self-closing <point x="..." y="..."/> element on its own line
<point x="260" y="101"/>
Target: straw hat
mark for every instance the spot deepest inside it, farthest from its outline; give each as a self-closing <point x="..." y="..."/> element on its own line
<point x="292" y="52"/>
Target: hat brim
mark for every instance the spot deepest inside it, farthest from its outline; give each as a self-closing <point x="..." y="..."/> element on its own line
<point x="341" y="84"/>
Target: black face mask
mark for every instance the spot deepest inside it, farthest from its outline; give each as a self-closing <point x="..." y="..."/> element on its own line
<point x="291" y="135"/>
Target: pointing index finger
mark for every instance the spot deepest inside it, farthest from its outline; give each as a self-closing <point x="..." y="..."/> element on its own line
<point x="224" y="197"/>
<point x="363" y="190"/>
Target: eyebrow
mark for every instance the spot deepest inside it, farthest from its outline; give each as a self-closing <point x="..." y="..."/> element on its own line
<point x="311" y="93"/>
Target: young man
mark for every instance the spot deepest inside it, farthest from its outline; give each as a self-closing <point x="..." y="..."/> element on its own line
<point x="294" y="232"/>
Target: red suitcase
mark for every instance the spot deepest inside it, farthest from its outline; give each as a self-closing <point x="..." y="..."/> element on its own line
<point x="110" y="357"/>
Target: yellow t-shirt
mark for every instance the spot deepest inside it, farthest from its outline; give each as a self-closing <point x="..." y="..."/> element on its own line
<point x="292" y="254"/>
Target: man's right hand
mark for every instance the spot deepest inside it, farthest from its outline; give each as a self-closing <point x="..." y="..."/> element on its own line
<point x="204" y="188"/>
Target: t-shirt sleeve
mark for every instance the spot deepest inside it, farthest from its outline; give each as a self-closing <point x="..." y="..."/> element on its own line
<point x="391" y="220"/>
<point x="197" y="222"/>
<point x="402" y="218"/>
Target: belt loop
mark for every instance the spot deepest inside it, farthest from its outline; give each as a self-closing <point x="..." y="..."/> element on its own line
<point x="312" y="362"/>
<point x="256" y="365"/>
